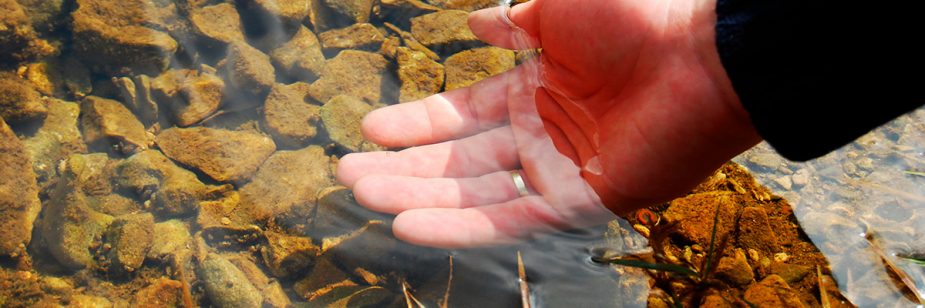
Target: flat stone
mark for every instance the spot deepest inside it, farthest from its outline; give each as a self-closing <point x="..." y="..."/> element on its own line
<point x="300" y="58"/>
<point x="226" y="285"/>
<point x="468" y="67"/>
<point x="168" y="189"/>
<point x="117" y="36"/>
<point x="694" y="216"/>
<point x="411" y="42"/>
<point x="225" y="223"/>
<point x="218" y="24"/>
<point x="273" y="294"/>
<point x="324" y="277"/>
<point x="162" y="292"/>
<point x="399" y="11"/>
<point x="755" y="231"/>
<point x="135" y="94"/>
<point x="55" y="140"/>
<point x="354" y="296"/>
<point x="19" y="200"/>
<point x="353" y="73"/>
<point x="81" y="300"/>
<point x="361" y="36"/>
<point x="288" y="256"/>
<point x="192" y="95"/>
<point x="19" y="101"/>
<point x="790" y="272"/>
<point x="420" y="76"/>
<point x="247" y="70"/>
<point x="351" y="11"/>
<point x="69" y="225"/>
<point x="342" y="116"/>
<point x="465" y="5"/>
<point x="289" y="12"/>
<point x="444" y="31"/>
<point x="109" y="124"/>
<point x="60" y="77"/>
<point x="173" y="239"/>
<point x="735" y="269"/>
<point x="130" y="237"/>
<point x="389" y="48"/>
<point x="287" y="179"/>
<point x="221" y="154"/>
<point x="18" y="40"/>
<point x="289" y="116"/>
<point x="766" y="161"/>
<point x="773" y="291"/>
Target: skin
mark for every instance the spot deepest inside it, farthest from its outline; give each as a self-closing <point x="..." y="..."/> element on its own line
<point x="627" y="106"/>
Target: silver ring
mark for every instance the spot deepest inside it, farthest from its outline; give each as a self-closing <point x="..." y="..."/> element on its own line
<point x="519" y="183"/>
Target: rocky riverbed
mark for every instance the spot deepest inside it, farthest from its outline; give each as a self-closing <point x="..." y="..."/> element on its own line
<point x="181" y="153"/>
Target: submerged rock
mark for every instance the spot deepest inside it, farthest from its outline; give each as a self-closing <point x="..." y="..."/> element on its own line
<point x="300" y="58"/>
<point x="130" y="238"/>
<point x="115" y="36"/>
<point x="773" y="291"/>
<point x="192" y="95"/>
<point x="288" y="12"/>
<point x="108" y="124"/>
<point x="226" y="156"/>
<point x="136" y="95"/>
<point x="168" y="189"/>
<point x="363" y="248"/>
<point x="286" y="179"/>
<point x="19" y="101"/>
<point x="466" y="5"/>
<point x="55" y="140"/>
<point x="354" y="296"/>
<point x="361" y="36"/>
<point x="445" y="31"/>
<point x="351" y="11"/>
<point x="288" y="256"/>
<point x="400" y="10"/>
<point x="353" y="73"/>
<point x="226" y="285"/>
<point x="323" y="278"/>
<point x="247" y="70"/>
<point x="342" y="116"/>
<point x="289" y="117"/>
<point x="218" y="25"/>
<point x="18" y="40"/>
<point x="19" y="200"/>
<point x="60" y="77"/>
<point x="172" y="239"/>
<point x="225" y="223"/>
<point x="420" y="76"/>
<point x="162" y="292"/>
<point x="468" y="67"/>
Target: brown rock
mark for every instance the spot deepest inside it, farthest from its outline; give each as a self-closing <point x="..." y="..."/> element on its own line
<point x="286" y="179"/>
<point x="130" y="237"/>
<point x="470" y="66"/>
<point x="218" y="24"/>
<point x="162" y="292"/>
<point x="221" y="154"/>
<point x="290" y="118"/>
<point x="790" y="272"/>
<point x="57" y="138"/>
<point x="420" y="76"/>
<point x="168" y="189"/>
<point x="342" y="116"/>
<point x="338" y="213"/>
<point x="59" y="77"/>
<point x="115" y="36"/>
<point x="465" y="5"/>
<point x="273" y="293"/>
<point x="226" y="285"/>
<point x="354" y="296"/>
<point x="400" y="10"/>
<point x="288" y="256"/>
<point x="19" y="101"/>
<point x="107" y="123"/>
<point x="351" y="11"/>
<point x="735" y="269"/>
<point x="289" y="12"/>
<point x="225" y="223"/>
<point x="444" y="31"/>
<point x="136" y="95"/>
<point x="45" y="15"/>
<point x="715" y="301"/>
<point x="248" y="70"/>
<point x="192" y="95"/>
<point x="412" y="43"/>
<point x="694" y="216"/>
<point x="389" y="48"/>
<point x="323" y="278"/>
<point x="773" y="291"/>
<point x="18" y="40"/>
<point x="755" y="231"/>
<point x="300" y="58"/>
<point x="19" y="200"/>
<point x="361" y="36"/>
<point x="353" y="73"/>
<point x="173" y="239"/>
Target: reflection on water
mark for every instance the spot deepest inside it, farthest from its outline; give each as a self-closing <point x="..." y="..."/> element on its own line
<point x="871" y="188"/>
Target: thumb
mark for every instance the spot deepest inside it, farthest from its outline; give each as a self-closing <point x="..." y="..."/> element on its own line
<point x="508" y="27"/>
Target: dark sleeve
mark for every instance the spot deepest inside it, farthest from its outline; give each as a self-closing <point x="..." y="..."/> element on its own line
<point x="815" y="75"/>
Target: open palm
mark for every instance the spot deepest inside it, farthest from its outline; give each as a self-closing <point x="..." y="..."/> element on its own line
<point x="627" y="105"/>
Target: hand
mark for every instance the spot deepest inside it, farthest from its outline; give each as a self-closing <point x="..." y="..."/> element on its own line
<point x="628" y="105"/>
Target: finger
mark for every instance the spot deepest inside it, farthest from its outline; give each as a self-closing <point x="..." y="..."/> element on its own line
<point x="514" y="28"/>
<point x="395" y="194"/>
<point x="477" y="226"/>
<point x="450" y="115"/>
<point x="490" y="151"/>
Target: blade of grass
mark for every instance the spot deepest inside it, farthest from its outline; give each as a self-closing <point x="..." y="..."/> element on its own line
<point x="449" y="284"/>
<point x="655" y="266"/>
<point x="892" y="268"/>
<point x="524" y="288"/>
<point x="410" y="300"/>
<point x="912" y="260"/>
<point x="710" y="252"/>
<point x="916" y="173"/>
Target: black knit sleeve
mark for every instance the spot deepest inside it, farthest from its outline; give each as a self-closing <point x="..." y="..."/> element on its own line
<point x="815" y="75"/>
